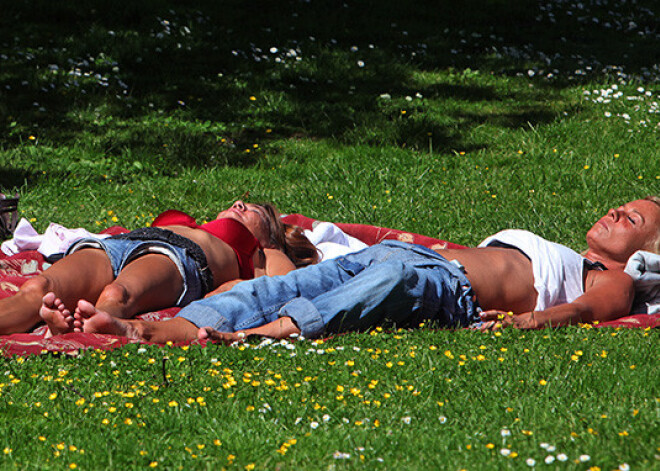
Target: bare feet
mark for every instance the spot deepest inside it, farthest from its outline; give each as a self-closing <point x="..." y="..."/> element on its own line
<point x="56" y="315"/>
<point x="89" y="319"/>
<point x="208" y="333"/>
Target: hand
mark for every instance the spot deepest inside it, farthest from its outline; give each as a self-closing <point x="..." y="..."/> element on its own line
<point x="227" y="338"/>
<point x="495" y="320"/>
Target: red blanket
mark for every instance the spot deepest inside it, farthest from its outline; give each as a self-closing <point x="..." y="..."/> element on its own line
<point x="15" y="270"/>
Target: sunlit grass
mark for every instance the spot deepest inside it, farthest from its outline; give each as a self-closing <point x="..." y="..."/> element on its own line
<point x="458" y="399"/>
<point x="449" y="120"/>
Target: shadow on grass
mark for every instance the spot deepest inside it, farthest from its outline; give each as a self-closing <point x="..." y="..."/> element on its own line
<point x="110" y="73"/>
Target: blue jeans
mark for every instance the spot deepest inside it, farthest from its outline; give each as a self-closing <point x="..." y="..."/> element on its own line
<point x="389" y="283"/>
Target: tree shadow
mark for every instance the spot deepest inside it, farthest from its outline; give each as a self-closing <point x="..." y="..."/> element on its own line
<point x="73" y="72"/>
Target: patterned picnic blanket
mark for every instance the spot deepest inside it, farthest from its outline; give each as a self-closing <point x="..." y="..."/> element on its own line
<point x="16" y="269"/>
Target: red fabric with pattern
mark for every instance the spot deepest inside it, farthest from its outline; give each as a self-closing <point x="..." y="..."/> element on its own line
<point x="17" y="269"/>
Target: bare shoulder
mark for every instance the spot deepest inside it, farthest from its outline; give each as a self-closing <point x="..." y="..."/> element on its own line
<point x="277" y="263"/>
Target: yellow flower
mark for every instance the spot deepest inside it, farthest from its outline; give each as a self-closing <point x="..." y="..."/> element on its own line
<point x="543" y="382"/>
<point x="153" y="464"/>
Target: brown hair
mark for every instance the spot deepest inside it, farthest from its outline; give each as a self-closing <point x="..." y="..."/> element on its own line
<point x="654" y="245"/>
<point x="289" y="239"/>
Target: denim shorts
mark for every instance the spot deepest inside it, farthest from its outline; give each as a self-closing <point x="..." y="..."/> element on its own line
<point x="123" y="251"/>
<point x="391" y="283"/>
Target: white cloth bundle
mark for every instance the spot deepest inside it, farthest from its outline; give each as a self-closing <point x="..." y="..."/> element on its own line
<point x="56" y="239"/>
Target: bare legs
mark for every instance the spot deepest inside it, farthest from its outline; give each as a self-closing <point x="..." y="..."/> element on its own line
<point x="88" y="318"/>
<point x="147" y="283"/>
<point x="82" y="274"/>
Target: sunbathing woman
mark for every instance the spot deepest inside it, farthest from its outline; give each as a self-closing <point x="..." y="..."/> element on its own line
<point x="169" y="264"/>
<point x="515" y="277"/>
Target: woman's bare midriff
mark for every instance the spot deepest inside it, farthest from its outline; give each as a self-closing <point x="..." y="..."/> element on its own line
<point x="501" y="278"/>
<point x="219" y="255"/>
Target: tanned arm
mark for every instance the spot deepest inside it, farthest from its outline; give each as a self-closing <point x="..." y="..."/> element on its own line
<point x="608" y="295"/>
<point x="273" y="262"/>
<point x="280" y="328"/>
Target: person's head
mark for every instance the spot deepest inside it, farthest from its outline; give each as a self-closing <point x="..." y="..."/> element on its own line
<point x="264" y="221"/>
<point x="626" y="229"/>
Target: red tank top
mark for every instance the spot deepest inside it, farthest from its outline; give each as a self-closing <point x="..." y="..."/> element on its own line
<point x="228" y="230"/>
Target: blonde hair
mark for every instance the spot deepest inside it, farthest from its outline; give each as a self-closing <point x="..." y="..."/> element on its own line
<point x="654" y="245"/>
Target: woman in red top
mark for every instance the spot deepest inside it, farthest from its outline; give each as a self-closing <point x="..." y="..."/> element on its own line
<point x="169" y="264"/>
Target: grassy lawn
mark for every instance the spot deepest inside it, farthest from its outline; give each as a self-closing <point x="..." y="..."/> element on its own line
<point x="449" y="119"/>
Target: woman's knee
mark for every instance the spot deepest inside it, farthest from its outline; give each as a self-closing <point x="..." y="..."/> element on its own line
<point x="115" y="296"/>
<point x="37" y="286"/>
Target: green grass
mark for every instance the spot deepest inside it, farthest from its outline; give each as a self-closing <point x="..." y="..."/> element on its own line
<point x="448" y="119"/>
<point x="415" y="400"/>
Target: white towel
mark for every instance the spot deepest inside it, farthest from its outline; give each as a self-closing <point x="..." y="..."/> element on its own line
<point x="332" y="242"/>
<point x="644" y="268"/>
<point x="56" y="239"/>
